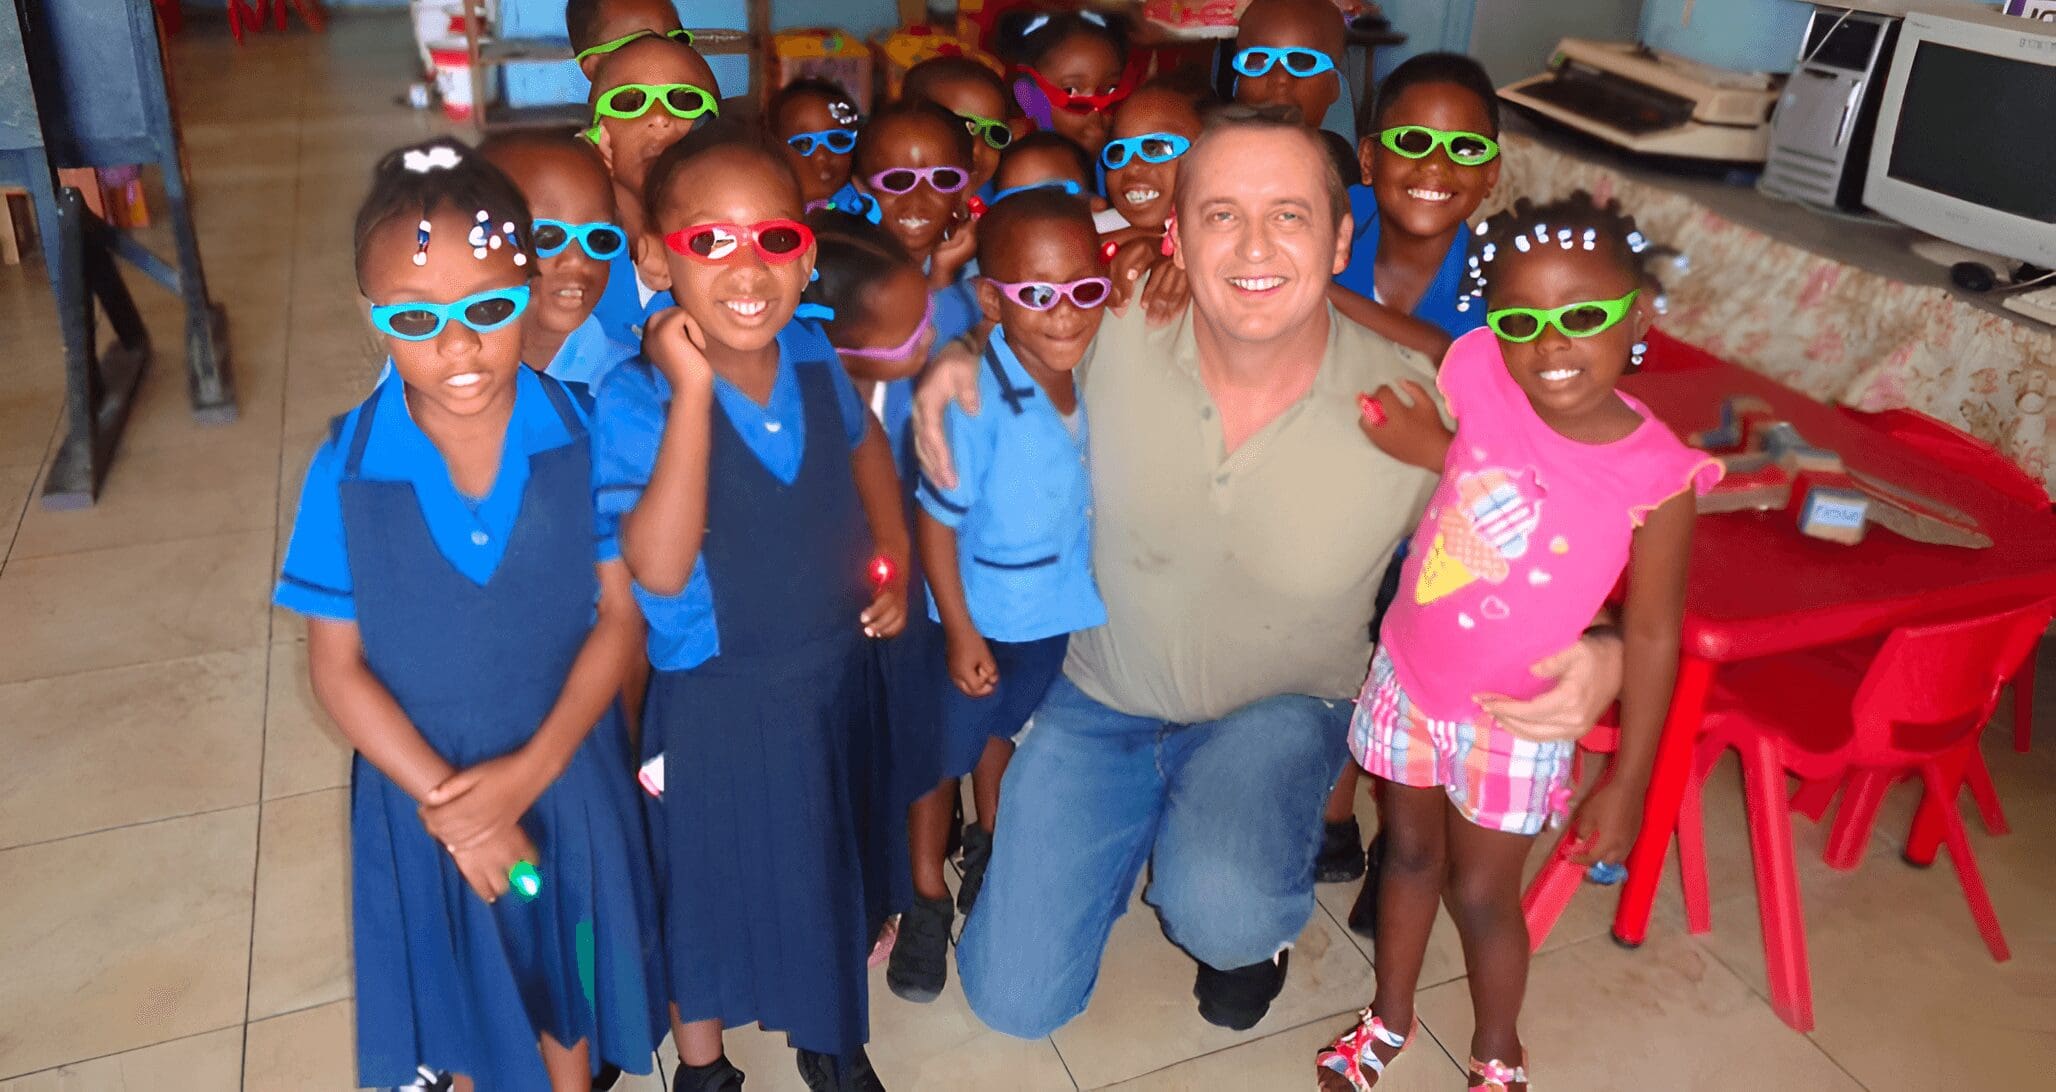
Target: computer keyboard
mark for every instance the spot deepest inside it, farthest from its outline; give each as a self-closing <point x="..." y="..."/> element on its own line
<point x="1629" y="107"/>
<point x="2038" y="304"/>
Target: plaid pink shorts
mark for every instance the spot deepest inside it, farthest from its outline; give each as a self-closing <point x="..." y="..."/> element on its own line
<point x="1494" y="778"/>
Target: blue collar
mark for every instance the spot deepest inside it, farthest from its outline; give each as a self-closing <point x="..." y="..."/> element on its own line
<point x="1016" y="386"/>
<point x="397" y="450"/>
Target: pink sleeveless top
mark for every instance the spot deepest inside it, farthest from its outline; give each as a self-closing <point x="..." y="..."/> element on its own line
<point x="1523" y="539"/>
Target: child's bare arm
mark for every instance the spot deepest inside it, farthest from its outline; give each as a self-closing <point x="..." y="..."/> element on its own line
<point x="480" y="800"/>
<point x="878" y="487"/>
<point x="1419" y="335"/>
<point x="364" y="709"/>
<point x="971" y="666"/>
<point x="660" y="536"/>
<point x="1650" y="621"/>
<point x="1404" y="424"/>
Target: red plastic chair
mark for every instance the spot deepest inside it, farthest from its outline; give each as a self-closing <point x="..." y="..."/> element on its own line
<point x="1919" y="707"/>
<point x="1549" y="894"/>
<point x="1944" y="443"/>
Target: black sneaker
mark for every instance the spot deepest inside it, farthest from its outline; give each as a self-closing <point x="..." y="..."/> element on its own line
<point x="428" y="1080"/>
<point x="919" y="965"/>
<point x="1342" y="855"/>
<point x="719" y="1075"/>
<point x="829" y="1073"/>
<point x="1237" y="999"/>
<point x="977" y="854"/>
<point x="605" y="1078"/>
<point x="1363" y="917"/>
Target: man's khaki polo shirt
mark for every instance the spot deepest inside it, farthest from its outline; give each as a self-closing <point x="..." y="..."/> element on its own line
<point x="1230" y="578"/>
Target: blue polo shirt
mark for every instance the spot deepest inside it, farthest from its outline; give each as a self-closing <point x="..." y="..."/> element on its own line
<point x="621" y="310"/>
<point x="633" y="401"/>
<point x="1022" y="509"/>
<point x="1438" y="303"/>
<point x="588" y="354"/>
<point x="471" y="532"/>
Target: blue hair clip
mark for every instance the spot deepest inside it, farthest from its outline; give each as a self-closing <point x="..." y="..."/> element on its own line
<point x="820" y="312"/>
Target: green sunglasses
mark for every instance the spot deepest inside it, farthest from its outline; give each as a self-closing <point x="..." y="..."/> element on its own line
<point x="992" y="131"/>
<point x="1521" y="325"/>
<point x="604" y="48"/>
<point x="632" y="100"/>
<point x="1418" y="141"/>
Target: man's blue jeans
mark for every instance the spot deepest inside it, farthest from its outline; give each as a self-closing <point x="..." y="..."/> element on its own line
<point x="1227" y="813"/>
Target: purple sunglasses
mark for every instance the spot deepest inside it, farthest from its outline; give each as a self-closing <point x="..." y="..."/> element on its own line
<point x="904" y="179"/>
<point x="1084" y="293"/>
<point x="905" y="348"/>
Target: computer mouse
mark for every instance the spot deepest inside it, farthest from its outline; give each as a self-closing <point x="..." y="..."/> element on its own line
<point x="1973" y="276"/>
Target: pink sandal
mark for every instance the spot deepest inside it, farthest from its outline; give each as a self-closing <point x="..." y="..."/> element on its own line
<point x="1497" y="1076"/>
<point x="1351" y="1054"/>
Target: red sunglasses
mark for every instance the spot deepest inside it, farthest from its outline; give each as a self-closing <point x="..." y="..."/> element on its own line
<point x="775" y="241"/>
<point x="1079" y="102"/>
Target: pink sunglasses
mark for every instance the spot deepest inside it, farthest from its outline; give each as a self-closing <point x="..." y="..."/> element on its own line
<point x="905" y="348"/>
<point x="1085" y="293"/>
<point x="944" y="179"/>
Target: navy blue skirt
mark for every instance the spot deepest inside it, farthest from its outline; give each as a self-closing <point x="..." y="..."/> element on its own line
<point x="759" y="839"/>
<point x="448" y="981"/>
<point x="1026" y="670"/>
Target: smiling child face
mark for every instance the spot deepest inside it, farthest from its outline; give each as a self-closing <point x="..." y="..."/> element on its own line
<point x="565" y="183"/>
<point x="1432" y="196"/>
<point x="918" y="217"/>
<point x="1143" y="191"/>
<point x="741" y="301"/>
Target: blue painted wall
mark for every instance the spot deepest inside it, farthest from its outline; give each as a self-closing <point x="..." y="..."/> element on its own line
<point x="1747" y="35"/>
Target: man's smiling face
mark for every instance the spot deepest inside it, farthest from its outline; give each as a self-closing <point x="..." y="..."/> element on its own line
<point x="1259" y="247"/>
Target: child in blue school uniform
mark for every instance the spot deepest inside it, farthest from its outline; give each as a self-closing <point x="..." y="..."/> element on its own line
<point x="576" y="234"/>
<point x="1009" y="550"/>
<point x="753" y="491"/>
<point x="1430" y="157"/>
<point x="883" y="324"/>
<point x="914" y="161"/>
<point x="469" y="624"/>
<point x="645" y="95"/>
<point x="817" y="122"/>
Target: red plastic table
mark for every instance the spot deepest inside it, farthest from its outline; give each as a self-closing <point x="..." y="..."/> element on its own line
<point x="1758" y="587"/>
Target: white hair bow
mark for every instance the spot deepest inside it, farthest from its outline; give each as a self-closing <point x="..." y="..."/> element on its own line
<point x="440" y="158"/>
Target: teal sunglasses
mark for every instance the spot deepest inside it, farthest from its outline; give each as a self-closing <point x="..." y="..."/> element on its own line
<point x="601" y="241"/>
<point x="483" y="312"/>
<point x="1521" y="325"/>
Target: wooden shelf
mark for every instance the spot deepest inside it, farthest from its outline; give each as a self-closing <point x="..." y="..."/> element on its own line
<point x="487" y="54"/>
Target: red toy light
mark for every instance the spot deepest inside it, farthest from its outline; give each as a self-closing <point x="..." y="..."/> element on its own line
<point x="1372" y="411"/>
<point x="881" y="572"/>
<point x="1107" y="250"/>
<point x="976" y="206"/>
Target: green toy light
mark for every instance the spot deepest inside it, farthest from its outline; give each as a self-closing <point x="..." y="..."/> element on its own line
<point x="526" y="880"/>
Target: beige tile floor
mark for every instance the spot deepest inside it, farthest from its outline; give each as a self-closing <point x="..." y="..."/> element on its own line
<point x="173" y="905"/>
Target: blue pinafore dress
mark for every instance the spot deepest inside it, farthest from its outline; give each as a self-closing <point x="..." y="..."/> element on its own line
<point x="759" y="830"/>
<point x="445" y="979"/>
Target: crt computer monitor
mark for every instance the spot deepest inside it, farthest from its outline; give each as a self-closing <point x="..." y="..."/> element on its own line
<point x="1966" y="137"/>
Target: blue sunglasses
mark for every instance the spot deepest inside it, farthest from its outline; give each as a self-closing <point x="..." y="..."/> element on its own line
<point x="601" y="241"/>
<point x="1064" y="184"/>
<point x="1300" y="62"/>
<point x="839" y="141"/>
<point x="1150" y="147"/>
<point x="483" y="312"/>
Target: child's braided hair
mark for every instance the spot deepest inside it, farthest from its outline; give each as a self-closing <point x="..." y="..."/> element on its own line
<point x="415" y="181"/>
<point x="1576" y="221"/>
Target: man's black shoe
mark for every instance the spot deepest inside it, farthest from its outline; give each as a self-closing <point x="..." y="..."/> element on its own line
<point x="1237" y="999"/>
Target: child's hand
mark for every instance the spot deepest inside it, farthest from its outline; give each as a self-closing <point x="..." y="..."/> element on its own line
<point x="959" y="245"/>
<point x="887" y="614"/>
<point x="677" y="346"/>
<point x="1410" y="430"/>
<point x="971" y="665"/>
<point x="1605" y="825"/>
<point x="477" y="802"/>
<point x="485" y="867"/>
